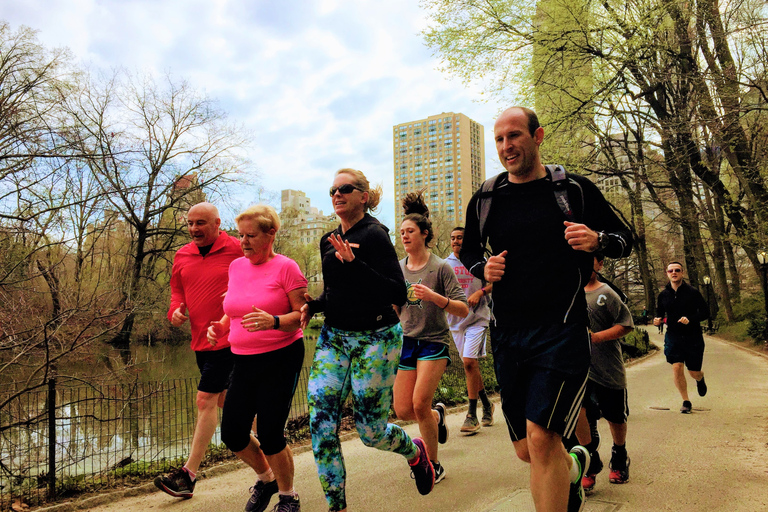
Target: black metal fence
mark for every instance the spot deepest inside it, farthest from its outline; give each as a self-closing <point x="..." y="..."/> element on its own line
<point x="102" y="435"/>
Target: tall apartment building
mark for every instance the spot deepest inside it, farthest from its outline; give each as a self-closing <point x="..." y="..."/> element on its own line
<point x="444" y="155"/>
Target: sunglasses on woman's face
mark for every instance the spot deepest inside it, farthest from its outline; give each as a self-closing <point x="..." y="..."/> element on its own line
<point x="344" y="189"/>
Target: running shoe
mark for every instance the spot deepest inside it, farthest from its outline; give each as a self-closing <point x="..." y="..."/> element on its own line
<point x="619" y="468"/>
<point x="588" y="483"/>
<point x="595" y="464"/>
<point x="686" y="408"/>
<point x="422" y="470"/>
<point x="442" y="430"/>
<point x="488" y="415"/>
<point x="701" y="387"/>
<point x="471" y="425"/>
<point x="288" y="504"/>
<point x="176" y="483"/>
<point x="261" y="493"/>
<point x="576" y="498"/>
<point x="439" y="472"/>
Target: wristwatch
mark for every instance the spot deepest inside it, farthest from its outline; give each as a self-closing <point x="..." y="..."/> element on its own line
<point x="602" y="240"/>
<point x="277" y="322"/>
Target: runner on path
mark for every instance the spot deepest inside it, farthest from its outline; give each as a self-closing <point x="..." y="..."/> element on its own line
<point x="469" y="335"/>
<point x="359" y="344"/>
<point x="540" y="264"/>
<point x="684" y="308"/>
<point x="433" y="291"/>
<point x="198" y="284"/>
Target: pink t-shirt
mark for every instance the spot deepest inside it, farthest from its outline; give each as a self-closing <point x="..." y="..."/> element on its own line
<point x="265" y="286"/>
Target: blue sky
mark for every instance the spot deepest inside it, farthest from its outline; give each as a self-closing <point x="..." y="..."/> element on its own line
<point x="319" y="83"/>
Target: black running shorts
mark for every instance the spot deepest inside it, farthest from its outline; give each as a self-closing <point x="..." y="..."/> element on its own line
<point x="215" y="369"/>
<point x="608" y="403"/>
<point x="684" y="349"/>
<point x="542" y="375"/>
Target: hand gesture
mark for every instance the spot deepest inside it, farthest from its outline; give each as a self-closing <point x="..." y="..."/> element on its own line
<point x="494" y="267"/>
<point x="423" y="292"/>
<point x="215" y="331"/>
<point x="684" y="320"/>
<point x="580" y="237"/>
<point x="306" y="316"/>
<point x="343" y="249"/>
<point x="257" y="320"/>
<point x="474" y="299"/>
<point x="179" y="316"/>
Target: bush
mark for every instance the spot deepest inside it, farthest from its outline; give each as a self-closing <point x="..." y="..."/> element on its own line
<point x="756" y="330"/>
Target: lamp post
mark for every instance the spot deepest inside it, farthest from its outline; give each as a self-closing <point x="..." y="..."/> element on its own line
<point x="762" y="258"/>
<point x="707" y="281"/>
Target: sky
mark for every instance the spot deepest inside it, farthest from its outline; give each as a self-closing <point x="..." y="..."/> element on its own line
<point x="319" y="83"/>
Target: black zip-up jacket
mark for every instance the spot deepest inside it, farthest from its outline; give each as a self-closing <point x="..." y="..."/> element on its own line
<point x="359" y="295"/>
<point x="687" y="301"/>
<point x="544" y="277"/>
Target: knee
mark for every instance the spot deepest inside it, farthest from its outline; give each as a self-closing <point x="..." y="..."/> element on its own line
<point x="372" y="436"/>
<point x="470" y="365"/>
<point x="404" y="411"/>
<point x="541" y="442"/>
<point x="207" y="401"/>
<point x="422" y="409"/>
<point x="234" y="439"/>
<point x="521" y="450"/>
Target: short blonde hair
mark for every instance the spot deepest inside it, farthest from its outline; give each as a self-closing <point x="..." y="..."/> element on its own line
<point x="361" y="182"/>
<point x="263" y="215"/>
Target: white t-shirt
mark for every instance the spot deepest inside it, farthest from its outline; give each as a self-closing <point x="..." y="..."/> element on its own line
<point x="480" y="314"/>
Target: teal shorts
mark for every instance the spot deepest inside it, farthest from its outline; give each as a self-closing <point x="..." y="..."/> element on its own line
<point x="415" y="350"/>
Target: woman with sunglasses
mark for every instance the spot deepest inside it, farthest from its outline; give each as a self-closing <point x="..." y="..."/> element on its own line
<point x="359" y="345"/>
<point x="433" y="291"/>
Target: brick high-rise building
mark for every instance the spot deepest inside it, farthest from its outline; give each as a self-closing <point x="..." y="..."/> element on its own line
<point x="444" y="155"/>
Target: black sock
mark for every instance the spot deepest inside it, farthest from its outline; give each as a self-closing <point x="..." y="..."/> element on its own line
<point x="484" y="399"/>
<point x="620" y="449"/>
<point x="472" y="407"/>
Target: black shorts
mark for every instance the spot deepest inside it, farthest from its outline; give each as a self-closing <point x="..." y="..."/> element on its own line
<point x="414" y="350"/>
<point x="684" y="349"/>
<point x="215" y="369"/>
<point x="542" y="375"/>
<point x="608" y="403"/>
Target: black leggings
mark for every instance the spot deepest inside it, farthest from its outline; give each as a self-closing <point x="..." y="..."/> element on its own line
<point x="263" y="386"/>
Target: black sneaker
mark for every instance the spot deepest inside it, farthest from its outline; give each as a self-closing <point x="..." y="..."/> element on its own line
<point x="288" y="504"/>
<point x="701" y="387"/>
<point x="176" y="483"/>
<point x="442" y="430"/>
<point x="422" y="470"/>
<point x="595" y="464"/>
<point x="261" y="493"/>
<point x="576" y="497"/>
<point x="686" y="408"/>
<point x="619" y="467"/>
<point x="439" y="472"/>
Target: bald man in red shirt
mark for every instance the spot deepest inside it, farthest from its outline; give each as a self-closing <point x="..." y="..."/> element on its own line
<point x="198" y="284"/>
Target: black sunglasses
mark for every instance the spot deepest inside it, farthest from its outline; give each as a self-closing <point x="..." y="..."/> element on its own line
<point x="673" y="271"/>
<point x="345" y="189"/>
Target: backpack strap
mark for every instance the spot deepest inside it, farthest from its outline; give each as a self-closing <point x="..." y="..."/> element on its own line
<point x="560" y="188"/>
<point x="483" y="206"/>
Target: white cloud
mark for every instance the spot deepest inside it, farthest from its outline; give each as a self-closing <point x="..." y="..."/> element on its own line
<point x="320" y="84"/>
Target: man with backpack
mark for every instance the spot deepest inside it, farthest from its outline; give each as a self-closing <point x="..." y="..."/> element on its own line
<point x="542" y="226"/>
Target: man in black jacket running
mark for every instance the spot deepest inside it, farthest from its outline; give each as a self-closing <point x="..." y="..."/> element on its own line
<point x="685" y="309"/>
<point x="540" y="264"/>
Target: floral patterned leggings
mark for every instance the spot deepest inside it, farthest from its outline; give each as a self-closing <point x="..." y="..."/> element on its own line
<point x="365" y="363"/>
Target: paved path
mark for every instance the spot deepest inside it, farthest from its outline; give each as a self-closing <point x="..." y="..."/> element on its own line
<point x="715" y="459"/>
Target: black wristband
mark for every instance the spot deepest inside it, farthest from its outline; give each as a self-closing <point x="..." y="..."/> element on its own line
<point x="277" y="322"/>
<point x="447" y="303"/>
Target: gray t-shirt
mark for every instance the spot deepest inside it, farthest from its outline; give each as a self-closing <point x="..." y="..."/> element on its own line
<point x="606" y="310"/>
<point x="480" y="314"/>
<point x="425" y="320"/>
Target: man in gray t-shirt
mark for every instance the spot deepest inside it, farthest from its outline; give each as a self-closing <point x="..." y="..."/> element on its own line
<point x="606" y="395"/>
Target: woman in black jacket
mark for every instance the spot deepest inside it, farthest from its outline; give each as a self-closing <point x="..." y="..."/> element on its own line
<point x="358" y="349"/>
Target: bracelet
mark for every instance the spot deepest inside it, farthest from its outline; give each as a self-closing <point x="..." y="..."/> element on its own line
<point x="484" y="292"/>
<point x="447" y="303"/>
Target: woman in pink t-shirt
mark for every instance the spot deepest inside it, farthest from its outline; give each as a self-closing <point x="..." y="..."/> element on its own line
<point x="262" y="313"/>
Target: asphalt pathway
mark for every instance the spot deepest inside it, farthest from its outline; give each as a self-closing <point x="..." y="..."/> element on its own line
<point x="715" y="459"/>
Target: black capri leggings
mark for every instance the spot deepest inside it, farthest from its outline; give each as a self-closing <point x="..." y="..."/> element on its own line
<point x="262" y="385"/>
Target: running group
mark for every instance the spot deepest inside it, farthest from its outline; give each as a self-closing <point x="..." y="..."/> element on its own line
<point x="534" y="238"/>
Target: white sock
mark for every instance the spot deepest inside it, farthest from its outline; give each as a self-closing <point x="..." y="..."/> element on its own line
<point x="266" y="476"/>
<point x="574" y="471"/>
<point x="287" y="493"/>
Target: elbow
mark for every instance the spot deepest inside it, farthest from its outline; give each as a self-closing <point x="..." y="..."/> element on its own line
<point x="463" y="311"/>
